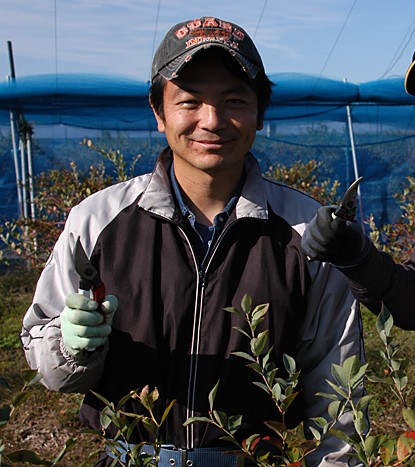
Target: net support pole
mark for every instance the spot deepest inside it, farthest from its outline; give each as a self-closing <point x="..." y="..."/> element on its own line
<point x="355" y="168"/>
<point x="13" y="137"/>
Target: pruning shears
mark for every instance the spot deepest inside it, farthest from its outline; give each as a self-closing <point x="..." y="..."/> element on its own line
<point x="90" y="279"/>
<point x="346" y="210"/>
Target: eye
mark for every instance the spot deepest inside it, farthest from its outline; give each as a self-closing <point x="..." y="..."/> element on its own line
<point x="236" y="102"/>
<point x="188" y="103"/>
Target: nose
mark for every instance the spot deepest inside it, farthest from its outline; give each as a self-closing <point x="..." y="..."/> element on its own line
<point x="212" y="117"/>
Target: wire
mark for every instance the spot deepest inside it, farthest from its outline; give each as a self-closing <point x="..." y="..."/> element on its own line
<point x="155" y="33"/>
<point x="401" y="48"/>
<point x="337" y="39"/>
<point x="260" y="18"/>
<point x="56" y="36"/>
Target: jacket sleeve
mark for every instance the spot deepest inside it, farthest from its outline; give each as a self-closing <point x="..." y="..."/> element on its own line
<point x="331" y="333"/>
<point x="41" y="332"/>
<point x="379" y="279"/>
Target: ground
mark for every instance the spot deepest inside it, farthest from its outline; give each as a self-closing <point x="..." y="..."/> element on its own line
<point x="47" y="420"/>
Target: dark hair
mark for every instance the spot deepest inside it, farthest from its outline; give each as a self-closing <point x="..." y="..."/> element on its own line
<point x="261" y="84"/>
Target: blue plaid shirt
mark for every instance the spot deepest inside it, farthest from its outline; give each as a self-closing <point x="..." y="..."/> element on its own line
<point x="207" y="233"/>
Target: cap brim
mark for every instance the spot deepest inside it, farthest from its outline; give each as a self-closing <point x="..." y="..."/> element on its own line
<point x="172" y="69"/>
<point x="410" y="80"/>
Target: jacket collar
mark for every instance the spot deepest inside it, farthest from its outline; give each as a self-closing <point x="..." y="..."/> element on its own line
<point x="157" y="197"/>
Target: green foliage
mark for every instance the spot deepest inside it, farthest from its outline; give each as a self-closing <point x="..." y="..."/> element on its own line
<point x="57" y="191"/>
<point x="126" y="423"/>
<point x="398" y="239"/>
<point x="15" y="293"/>
<point x="31" y="377"/>
<point x="346" y="397"/>
<point x="305" y="177"/>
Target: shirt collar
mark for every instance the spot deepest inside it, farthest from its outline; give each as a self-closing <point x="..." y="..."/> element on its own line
<point x="220" y="218"/>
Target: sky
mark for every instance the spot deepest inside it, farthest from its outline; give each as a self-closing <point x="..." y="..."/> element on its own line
<point x="356" y="40"/>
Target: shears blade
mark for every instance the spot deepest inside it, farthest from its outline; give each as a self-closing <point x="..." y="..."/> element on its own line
<point x="89" y="275"/>
<point x="346" y="209"/>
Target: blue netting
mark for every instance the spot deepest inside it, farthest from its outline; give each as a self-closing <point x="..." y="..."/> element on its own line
<point x="306" y="120"/>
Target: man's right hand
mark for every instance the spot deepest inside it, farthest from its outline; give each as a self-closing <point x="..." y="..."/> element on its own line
<point x="82" y="326"/>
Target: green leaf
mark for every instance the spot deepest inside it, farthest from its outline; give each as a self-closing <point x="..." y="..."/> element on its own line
<point x="277" y="427"/>
<point x="320" y="421"/>
<point x="145" y="398"/>
<point x="212" y="395"/>
<point x="360" y="423"/>
<point x="250" y="440"/>
<point x="256" y="367"/>
<point x="289" y="364"/>
<point x="69" y="444"/>
<point x="234" y="423"/>
<point x="25" y="455"/>
<point x="126" y="398"/>
<point x="337" y="389"/>
<point x="260" y="311"/>
<point x="261" y="385"/>
<point x="288" y="401"/>
<point x="371" y="445"/>
<point x="31" y="377"/>
<point x="258" y="343"/>
<point x="4" y="383"/>
<point x="103" y="399"/>
<point x="316" y="433"/>
<point x="409" y="417"/>
<point x="276" y="392"/>
<point x="167" y="411"/>
<point x="150" y="426"/>
<point x="363" y="402"/>
<point x="242" y="331"/>
<point x="384" y="321"/>
<point x="246" y="304"/>
<point x="105" y="419"/>
<point x="132" y="426"/>
<point x="386" y="451"/>
<point x="191" y="420"/>
<point x="245" y="355"/>
<point x="5" y="412"/>
<point x="220" y="417"/>
<point x="334" y="409"/>
<point x="229" y="439"/>
<point x="232" y="309"/>
<point x="341" y="435"/>
<point x="19" y="398"/>
<point x="400" y="379"/>
<point x="349" y="372"/>
<point x="375" y="379"/>
<point x="333" y="397"/>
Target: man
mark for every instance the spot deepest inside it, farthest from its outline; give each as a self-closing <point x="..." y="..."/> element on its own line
<point x="373" y="276"/>
<point x="179" y="245"/>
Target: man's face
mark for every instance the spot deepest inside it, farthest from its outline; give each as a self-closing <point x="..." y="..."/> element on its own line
<point x="210" y="117"/>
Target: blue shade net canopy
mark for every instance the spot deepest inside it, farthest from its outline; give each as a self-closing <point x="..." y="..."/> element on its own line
<point x="352" y="130"/>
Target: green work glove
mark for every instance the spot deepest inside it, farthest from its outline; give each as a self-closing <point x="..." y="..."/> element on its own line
<point x="83" y="327"/>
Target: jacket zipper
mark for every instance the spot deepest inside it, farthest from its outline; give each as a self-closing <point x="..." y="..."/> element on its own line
<point x="197" y="319"/>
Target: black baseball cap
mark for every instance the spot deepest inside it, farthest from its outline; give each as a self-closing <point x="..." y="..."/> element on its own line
<point x="410" y="78"/>
<point x="186" y="39"/>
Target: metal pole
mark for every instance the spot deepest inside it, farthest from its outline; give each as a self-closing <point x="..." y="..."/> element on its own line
<point x="13" y="136"/>
<point x="30" y="175"/>
<point x="356" y="171"/>
<point x="16" y="164"/>
<point x="24" y="178"/>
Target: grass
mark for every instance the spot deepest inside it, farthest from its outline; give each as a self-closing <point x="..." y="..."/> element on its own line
<point x="48" y="419"/>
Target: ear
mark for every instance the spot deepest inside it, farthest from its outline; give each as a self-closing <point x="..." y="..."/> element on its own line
<point x="260" y="125"/>
<point x="160" y="120"/>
